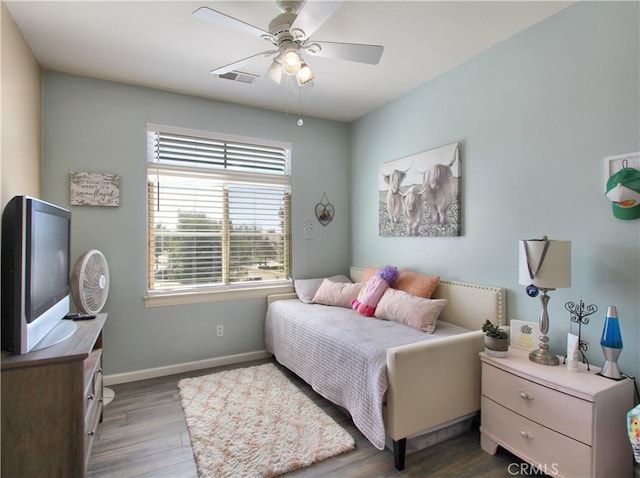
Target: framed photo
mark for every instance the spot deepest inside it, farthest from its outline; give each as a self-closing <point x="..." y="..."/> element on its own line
<point x="419" y="195"/>
<point x="524" y="335"/>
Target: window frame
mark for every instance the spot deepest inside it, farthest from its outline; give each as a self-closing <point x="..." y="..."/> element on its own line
<point x="217" y="292"/>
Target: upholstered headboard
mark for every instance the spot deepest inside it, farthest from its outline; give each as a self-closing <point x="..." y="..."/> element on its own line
<point x="469" y="304"/>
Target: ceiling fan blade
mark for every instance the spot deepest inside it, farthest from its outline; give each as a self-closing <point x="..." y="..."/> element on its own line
<point x="314" y="13"/>
<point x="220" y="19"/>
<point x="237" y="64"/>
<point x="357" y="52"/>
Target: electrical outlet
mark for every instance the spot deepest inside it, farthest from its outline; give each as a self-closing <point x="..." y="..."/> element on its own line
<point x="219" y="330"/>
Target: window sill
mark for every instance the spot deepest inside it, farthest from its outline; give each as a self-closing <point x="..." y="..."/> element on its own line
<point x="183" y="298"/>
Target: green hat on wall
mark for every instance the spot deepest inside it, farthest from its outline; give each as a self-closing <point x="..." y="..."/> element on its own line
<point x="623" y="189"/>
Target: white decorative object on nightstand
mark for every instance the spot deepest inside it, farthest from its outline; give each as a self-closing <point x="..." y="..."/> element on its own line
<point x="565" y="424"/>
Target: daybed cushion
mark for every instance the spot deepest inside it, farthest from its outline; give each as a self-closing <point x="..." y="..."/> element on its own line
<point x="306" y="288"/>
<point x="340" y="294"/>
<point x="411" y="310"/>
<point x="342" y="355"/>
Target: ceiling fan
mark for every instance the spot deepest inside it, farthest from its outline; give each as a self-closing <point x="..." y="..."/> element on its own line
<point x="289" y="34"/>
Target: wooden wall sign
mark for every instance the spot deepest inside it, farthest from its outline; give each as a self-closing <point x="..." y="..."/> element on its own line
<point x="94" y="189"/>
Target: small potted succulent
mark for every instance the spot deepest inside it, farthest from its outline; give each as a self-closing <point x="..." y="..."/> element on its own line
<point x="496" y="340"/>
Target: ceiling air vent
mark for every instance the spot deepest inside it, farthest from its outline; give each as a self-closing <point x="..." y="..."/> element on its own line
<point x="239" y="76"/>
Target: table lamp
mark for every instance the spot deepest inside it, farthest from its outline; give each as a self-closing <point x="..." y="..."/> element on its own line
<point x="544" y="265"/>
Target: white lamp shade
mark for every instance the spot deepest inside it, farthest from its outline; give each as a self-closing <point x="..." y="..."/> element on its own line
<point x="291" y="62"/>
<point x="274" y="73"/>
<point x="555" y="271"/>
<point x="305" y="75"/>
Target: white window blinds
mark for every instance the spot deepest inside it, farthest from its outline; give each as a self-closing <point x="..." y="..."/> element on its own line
<point x="185" y="150"/>
<point x="218" y="210"/>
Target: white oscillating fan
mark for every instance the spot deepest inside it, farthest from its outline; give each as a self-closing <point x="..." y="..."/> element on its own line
<point x="90" y="288"/>
<point x="90" y="282"/>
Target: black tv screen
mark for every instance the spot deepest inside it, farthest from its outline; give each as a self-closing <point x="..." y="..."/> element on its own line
<point x="47" y="258"/>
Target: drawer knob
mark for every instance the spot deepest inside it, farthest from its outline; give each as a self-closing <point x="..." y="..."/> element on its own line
<point x="526" y="435"/>
<point x="526" y="396"/>
<point x="91" y="434"/>
<point x="91" y="397"/>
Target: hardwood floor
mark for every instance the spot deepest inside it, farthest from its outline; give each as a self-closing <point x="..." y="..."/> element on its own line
<point x="144" y="434"/>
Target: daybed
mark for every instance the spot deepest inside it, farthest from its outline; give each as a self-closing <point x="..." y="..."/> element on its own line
<point x="394" y="380"/>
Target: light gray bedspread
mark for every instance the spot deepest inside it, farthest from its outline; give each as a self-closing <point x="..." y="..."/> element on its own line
<point x="342" y="355"/>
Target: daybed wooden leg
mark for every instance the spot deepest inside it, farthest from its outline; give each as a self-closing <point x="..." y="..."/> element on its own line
<point x="399" y="448"/>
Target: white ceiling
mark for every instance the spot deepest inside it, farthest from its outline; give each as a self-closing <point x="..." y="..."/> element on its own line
<point x="161" y="45"/>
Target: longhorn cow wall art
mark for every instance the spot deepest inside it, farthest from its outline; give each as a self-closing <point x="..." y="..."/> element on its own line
<point x="419" y="195"/>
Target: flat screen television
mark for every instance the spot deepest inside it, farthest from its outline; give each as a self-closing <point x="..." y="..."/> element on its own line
<point x="36" y="240"/>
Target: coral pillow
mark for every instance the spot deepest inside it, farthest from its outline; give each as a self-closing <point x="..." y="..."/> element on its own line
<point x="411" y="310"/>
<point x="367" y="273"/>
<point x="415" y="283"/>
<point x="340" y="294"/>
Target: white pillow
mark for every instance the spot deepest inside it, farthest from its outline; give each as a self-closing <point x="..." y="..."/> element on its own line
<point x="411" y="310"/>
<point x="306" y="288"/>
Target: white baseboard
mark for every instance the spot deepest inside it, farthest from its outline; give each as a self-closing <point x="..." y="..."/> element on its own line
<point x="126" y="377"/>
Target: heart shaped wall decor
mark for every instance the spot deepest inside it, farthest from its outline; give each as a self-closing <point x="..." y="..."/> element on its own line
<point x="324" y="210"/>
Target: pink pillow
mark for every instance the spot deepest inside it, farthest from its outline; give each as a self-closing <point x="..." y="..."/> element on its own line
<point x="369" y="296"/>
<point x="340" y="294"/>
<point x="411" y="310"/>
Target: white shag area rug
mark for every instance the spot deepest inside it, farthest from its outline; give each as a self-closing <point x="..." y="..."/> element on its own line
<point x="254" y="422"/>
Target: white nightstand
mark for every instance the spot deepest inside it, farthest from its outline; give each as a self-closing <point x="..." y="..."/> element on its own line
<point x="568" y="424"/>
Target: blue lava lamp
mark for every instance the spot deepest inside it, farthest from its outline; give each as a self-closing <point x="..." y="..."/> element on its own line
<point x="611" y="343"/>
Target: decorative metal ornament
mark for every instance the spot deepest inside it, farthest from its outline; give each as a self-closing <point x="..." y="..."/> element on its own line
<point x="579" y="314"/>
<point x="324" y="210"/>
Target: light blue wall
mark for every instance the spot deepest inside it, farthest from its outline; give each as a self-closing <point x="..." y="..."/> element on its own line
<point x="535" y="116"/>
<point x="100" y="126"/>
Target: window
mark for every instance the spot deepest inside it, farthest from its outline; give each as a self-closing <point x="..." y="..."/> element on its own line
<point x="218" y="212"/>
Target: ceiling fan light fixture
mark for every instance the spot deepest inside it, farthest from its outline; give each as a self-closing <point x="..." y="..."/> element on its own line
<point x="304" y="75"/>
<point x="291" y="62"/>
<point x="274" y="73"/>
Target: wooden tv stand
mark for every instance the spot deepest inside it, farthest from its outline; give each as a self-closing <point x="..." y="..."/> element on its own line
<point x="52" y="404"/>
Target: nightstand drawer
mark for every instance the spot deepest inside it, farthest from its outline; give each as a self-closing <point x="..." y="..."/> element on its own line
<point x="554" y="453"/>
<point x="558" y="411"/>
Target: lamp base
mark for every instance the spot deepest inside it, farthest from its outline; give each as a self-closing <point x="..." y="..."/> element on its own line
<point x="544" y="357"/>
<point x="611" y="370"/>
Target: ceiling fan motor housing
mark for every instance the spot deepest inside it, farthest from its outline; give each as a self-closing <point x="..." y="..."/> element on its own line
<point x="281" y="25"/>
<point x="292" y="6"/>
